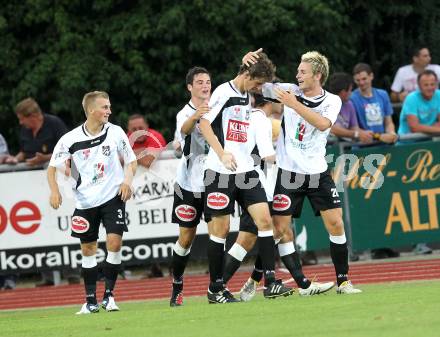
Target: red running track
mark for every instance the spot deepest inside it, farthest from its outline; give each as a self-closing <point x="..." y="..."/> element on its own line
<point x="196" y="285"/>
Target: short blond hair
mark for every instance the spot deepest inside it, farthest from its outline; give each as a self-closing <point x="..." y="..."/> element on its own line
<point x="319" y="64"/>
<point x="90" y="99"/>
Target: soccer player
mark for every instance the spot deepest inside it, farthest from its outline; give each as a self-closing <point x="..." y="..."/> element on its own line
<point x="230" y="176"/>
<point x="189" y="188"/>
<point x="309" y="113"/>
<point x="101" y="190"/>
<point x="248" y="231"/>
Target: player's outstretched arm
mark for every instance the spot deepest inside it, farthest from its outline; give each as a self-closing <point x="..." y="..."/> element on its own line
<point x="251" y="57"/>
<point x="125" y="190"/>
<point x="189" y="124"/>
<point x="55" y="198"/>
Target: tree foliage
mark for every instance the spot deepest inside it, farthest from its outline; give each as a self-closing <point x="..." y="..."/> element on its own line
<point x="139" y="51"/>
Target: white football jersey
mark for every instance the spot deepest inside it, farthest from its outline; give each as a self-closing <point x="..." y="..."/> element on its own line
<point x="301" y="146"/>
<point x="230" y="118"/>
<point x="264" y="148"/>
<point x="95" y="162"/>
<point x="192" y="164"/>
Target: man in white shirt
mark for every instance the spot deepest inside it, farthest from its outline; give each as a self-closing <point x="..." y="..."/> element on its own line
<point x="230" y="175"/>
<point x="189" y="189"/>
<point x="309" y="113"/>
<point x="405" y="80"/>
<point x="101" y="190"/>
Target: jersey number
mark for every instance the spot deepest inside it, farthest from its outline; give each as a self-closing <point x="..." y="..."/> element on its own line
<point x="335" y="193"/>
<point x="120" y="213"/>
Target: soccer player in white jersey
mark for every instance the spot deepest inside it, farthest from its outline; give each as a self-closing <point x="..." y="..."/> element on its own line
<point x="101" y="190"/>
<point x="309" y="113"/>
<point x="230" y="176"/>
<point x="189" y="188"/>
<point x="248" y="231"/>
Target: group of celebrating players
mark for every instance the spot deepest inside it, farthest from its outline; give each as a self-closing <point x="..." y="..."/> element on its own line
<point x="227" y="147"/>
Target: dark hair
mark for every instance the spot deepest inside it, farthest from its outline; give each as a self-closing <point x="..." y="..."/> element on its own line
<point x="263" y="68"/>
<point x="27" y="107"/>
<point x="360" y="67"/>
<point x="416" y="51"/>
<point x="427" y="72"/>
<point x="339" y="82"/>
<point x="259" y="100"/>
<point x="195" y="71"/>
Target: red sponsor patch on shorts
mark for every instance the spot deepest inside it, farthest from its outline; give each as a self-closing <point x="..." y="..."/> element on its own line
<point x="185" y="212"/>
<point x="217" y="200"/>
<point x="80" y="224"/>
<point x="237" y="131"/>
<point x="281" y="202"/>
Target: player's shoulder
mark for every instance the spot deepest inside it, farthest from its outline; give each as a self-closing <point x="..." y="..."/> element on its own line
<point x="110" y="127"/>
<point x="188" y="108"/>
<point x="225" y="89"/>
<point x="332" y="98"/>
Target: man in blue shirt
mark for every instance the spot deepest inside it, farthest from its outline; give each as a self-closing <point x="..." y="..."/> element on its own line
<point x="421" y="109"/>
<point x="373" y="106"/>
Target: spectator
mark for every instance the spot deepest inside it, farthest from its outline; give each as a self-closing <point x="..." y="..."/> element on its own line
<point x="346" y="125"/>
<point x="38" y="135"/>
<point x="405" y="80"/>
<point x="146" y="142"/>
<point x="421" y="113"/>
<point x="372" y="105"/>
<point x="373" y="109"/>
<point x="421" y="109"/>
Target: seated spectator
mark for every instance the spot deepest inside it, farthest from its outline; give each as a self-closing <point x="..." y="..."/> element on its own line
<point x="421" y="109"/>
<point x="38" y="135"/>
<point x="373" y="110"/>
<point x="405" y="80"/>
<point x="372" y="105"/>
<point x="421" y="113"/>
<point x="146" y="142"/>
<point x="346" y="125"/>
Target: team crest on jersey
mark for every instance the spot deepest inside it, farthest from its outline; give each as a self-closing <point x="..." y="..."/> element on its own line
<point x="86" y="153"/>
<point x="217" y="200"/>
<point x="185" y="212"/>
<point x="79" y="224"/>
<point x="237" y="131"/>
<point x="106" y="150"/>
<point x="281" y="202"/>
<point x="237" y="110"/>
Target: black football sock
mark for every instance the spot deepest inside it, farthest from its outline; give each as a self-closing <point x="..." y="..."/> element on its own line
<point x="90" y="277"/>
<point x="339" y="254"/>
<point x="216" y="247"/>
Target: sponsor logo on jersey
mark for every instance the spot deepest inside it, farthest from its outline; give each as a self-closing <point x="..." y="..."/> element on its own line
<point x="80" y="224"/>
<point x="99" y="172"/>
<point x="300" y="131"/>
<point x="106" y="150"/>
<point x="185" y="212"/>
<point x="217" y="200"/>
<point x="237" y="131"/>
<point x="281" y="202"/>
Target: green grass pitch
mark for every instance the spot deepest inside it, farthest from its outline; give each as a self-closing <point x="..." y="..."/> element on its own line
<point x="409" y="309"/>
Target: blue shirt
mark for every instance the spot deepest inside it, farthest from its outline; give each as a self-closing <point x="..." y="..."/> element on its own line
<point x="426" y="111"/>
<point x="371" y="111"/>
